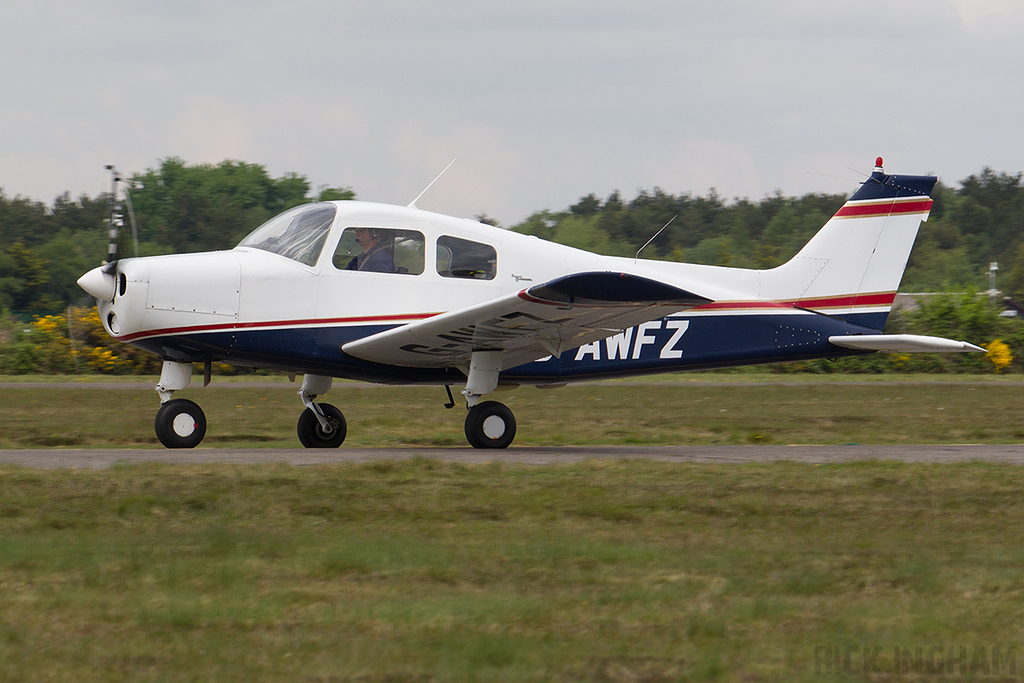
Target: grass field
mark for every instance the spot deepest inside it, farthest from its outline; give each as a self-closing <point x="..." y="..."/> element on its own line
<point x="422" y="571"/>
<point x="606" y="570"/>
<point x="803" y="411"/>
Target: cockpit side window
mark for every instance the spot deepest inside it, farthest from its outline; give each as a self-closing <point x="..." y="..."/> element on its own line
<point x="298" y="234"/>
<point x="465" y="259"/>
<point x="381" y="250"/>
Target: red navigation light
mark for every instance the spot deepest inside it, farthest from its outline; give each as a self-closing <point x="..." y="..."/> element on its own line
<point x="878" y="162"/>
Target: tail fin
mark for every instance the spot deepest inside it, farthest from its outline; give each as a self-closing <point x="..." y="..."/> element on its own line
<point x="851" y="268"/>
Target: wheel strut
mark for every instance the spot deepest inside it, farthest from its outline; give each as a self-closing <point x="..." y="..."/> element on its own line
<point x="179" y="423"/>
<point x="321" y="425"/>
<point x="489" y="424"/>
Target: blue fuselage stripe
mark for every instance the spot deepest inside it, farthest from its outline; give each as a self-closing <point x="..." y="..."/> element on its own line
<point x="665" y="345"/>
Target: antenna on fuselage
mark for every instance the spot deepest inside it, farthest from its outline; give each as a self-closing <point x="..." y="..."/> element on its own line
<point x="637" y="257"/>
<point x="412" y="204"/>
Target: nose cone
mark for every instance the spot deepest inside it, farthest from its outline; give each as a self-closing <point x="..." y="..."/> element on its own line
<point x="98" y="283"/>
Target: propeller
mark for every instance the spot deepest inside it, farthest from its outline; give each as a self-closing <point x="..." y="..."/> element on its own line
<point x="101" y="282"/>
<point x="116" y="221"/>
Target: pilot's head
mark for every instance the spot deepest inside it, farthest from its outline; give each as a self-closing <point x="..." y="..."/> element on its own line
<point x="366" y="238"/>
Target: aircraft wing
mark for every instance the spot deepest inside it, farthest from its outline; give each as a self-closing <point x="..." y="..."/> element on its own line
<point x="539" y="321"/>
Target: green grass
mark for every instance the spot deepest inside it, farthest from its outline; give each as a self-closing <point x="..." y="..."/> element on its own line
<point x="422" y="571"/>
<point x="803" y="412"/>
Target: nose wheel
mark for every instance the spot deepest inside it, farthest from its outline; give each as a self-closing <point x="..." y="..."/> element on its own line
<point x="180" y="423"/>
<point x="490" y="425"/>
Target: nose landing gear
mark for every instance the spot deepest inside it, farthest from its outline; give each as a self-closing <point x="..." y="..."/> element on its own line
<point x="179" y="423"/>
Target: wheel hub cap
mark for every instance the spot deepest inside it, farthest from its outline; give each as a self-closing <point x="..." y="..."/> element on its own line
<point x="494" y="427"/>
<point x="183" y="424"/>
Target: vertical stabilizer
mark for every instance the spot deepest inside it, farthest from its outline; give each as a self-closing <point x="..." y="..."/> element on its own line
<point x="851" y="268"/>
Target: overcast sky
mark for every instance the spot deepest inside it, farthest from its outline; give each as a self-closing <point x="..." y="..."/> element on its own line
<point x="541" y="101"/>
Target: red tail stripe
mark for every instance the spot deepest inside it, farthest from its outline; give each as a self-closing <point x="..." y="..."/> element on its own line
<point x="884" y="209"/>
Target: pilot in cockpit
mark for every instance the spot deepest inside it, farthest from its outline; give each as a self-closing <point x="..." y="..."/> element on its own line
<point x="375" y="256"/>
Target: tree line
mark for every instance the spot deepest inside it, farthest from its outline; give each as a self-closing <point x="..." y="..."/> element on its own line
<point x="180" y="208"/>
<point x="177" y="207"/>
<point x="970" y="226"/>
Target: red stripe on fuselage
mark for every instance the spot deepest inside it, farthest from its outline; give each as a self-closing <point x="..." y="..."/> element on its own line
<point x="740" y="305"/>
<point x="873" y="299"/>
<point x="850" y="300"/>
<point x="220" y="327"/>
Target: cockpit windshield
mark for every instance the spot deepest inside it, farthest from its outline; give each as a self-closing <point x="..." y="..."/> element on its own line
<point x="298" y="234"/>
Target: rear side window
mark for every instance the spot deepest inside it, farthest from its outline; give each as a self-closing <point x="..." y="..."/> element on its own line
<point x="465" y="259"/>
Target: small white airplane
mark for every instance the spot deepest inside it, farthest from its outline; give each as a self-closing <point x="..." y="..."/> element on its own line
<point x="399" y="295"/>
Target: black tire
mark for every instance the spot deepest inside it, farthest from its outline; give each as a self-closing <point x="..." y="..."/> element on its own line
<point x="180" y="423"/>
<point x="490" y="425"/>
<point x="312" y="435"/>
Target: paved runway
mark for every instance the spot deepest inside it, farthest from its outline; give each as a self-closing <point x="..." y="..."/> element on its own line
<point x="100" y="458"/>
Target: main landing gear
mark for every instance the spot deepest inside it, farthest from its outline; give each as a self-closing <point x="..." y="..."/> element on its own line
<point x="180" y="423"/>
<point x="321" y="425"/>
<point x="489" y="424"/>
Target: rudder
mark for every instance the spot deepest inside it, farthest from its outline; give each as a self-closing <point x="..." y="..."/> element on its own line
<point x="852" y="267"/>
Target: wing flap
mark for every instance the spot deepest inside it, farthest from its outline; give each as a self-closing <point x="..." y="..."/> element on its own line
<point x="903" y="343"/>
<point x="543" y="320"/>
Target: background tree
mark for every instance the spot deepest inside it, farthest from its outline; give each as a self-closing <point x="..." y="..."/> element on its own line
<point x="182" y="207"/>
<point x="202" y="207"/>
<point x="44" y="250"/>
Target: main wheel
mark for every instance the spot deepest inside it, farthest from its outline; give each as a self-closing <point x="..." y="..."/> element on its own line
<point x="313" y="435"/>
<point x="180" y="424"/>
<point x="490" y="425"/>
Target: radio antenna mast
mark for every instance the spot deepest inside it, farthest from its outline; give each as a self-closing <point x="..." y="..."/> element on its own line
<point x="412" y="204"/>
<point x="637" y="258"/>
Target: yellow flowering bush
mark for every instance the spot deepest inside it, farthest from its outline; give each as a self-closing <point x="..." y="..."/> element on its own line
<point x="1000" y="355"/>
<point x="84" y="346"/>
<point x="51" y="347"/>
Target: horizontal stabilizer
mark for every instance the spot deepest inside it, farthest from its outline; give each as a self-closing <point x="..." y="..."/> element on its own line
<point x="902" y="343"/>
